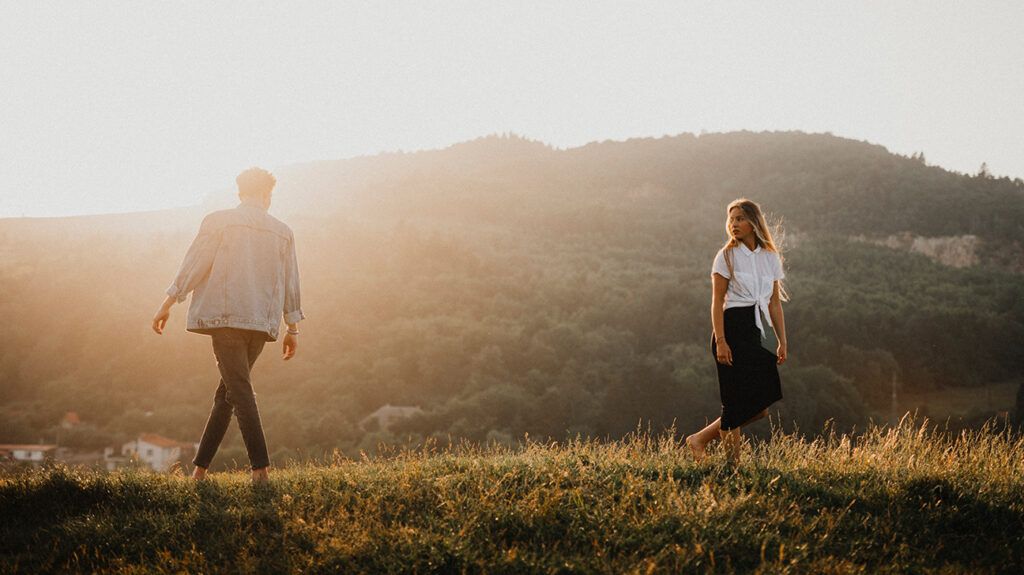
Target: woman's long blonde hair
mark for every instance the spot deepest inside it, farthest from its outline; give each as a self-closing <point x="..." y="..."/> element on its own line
<point x="763" y="235"/>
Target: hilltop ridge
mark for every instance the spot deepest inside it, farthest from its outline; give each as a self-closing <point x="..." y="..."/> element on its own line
<point x="822" y="183"/>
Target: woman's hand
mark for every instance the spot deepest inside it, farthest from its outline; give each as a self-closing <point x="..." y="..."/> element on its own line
<point x="723" y="353"/>
<point x="782" y="352"/>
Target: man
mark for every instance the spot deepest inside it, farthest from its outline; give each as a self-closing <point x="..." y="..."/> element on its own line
<point x="243" y="275"/>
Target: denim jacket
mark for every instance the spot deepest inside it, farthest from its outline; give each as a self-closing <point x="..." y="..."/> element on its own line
<point x="242" y="272"/>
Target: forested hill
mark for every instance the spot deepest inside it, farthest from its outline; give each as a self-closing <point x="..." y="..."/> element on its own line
<point x="820" y="183"/>
<point x="505" y="287"/>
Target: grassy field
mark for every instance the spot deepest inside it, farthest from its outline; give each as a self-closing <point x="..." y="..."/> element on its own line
<point x="908" y="499"/>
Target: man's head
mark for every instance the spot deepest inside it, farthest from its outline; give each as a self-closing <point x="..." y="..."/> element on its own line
<point x="256" y="184"/>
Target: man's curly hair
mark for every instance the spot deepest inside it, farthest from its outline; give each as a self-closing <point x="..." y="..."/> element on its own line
<point x="255" y="182"/>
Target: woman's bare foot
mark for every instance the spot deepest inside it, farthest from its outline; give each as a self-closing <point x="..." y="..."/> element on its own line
<point x="696" y="447"/>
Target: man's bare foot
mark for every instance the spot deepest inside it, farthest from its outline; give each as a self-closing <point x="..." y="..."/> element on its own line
<point x="261" y="475"/>
<point x="199" y="473"/>
<point x="696" y="447"/>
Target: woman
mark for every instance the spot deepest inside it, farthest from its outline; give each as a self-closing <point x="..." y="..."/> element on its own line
<point x="746" y="305"/>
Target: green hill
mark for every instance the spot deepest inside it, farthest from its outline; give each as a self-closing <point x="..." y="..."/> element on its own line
<point x="909" y="499"/>
<point x="507" y="288"/>
<point x="822" y="184"/>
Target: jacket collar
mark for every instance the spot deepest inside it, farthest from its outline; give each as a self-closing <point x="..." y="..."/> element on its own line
<point x="252" y="203"/>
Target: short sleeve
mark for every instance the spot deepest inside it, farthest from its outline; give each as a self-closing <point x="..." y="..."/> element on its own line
<point x="719" y="266"/>
<point x="779" y="273"/>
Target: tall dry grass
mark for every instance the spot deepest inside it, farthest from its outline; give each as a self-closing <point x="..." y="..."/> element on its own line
<point x="909" y="498"/>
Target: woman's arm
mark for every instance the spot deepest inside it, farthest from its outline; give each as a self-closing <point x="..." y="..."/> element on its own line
<point x="779" y="321"/>
<point x="719" y="285"/>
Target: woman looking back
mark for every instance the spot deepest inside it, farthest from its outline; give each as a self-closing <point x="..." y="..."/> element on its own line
<point x="749" y="339"/>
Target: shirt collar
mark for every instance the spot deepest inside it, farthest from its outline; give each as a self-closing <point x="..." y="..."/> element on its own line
<point x="746" y="250"/>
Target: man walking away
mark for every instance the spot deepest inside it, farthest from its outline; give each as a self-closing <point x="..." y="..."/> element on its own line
<point x="243" y="275"/>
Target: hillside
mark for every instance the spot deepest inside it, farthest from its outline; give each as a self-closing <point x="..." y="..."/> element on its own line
<point x="506" y="288"/>
<point x="822" y="184"/>
<point x="909" y="499"/>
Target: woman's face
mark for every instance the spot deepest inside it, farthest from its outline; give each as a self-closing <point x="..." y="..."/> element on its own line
<point x="739" y="226"/>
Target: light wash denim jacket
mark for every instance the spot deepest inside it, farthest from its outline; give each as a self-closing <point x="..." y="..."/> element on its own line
<point x="242" y="272"/>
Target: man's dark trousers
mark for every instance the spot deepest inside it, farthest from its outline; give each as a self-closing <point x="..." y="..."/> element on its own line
<point x="236" y="351"/>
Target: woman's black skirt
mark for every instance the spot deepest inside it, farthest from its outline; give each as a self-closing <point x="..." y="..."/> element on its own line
<point x="751" y="383"/>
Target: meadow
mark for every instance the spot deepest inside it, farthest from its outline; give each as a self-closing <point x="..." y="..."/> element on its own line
<point x="909" y="498"/>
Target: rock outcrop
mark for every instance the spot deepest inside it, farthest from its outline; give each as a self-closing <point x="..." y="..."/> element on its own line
<point x="953" y="251"/>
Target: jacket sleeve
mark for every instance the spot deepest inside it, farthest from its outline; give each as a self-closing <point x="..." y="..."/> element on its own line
<point x="292" y="301"/>
<point x="198" y="261"/>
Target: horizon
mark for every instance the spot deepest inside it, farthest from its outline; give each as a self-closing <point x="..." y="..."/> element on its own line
<point x="122" y="108"/>
<point x="230" y="184"/>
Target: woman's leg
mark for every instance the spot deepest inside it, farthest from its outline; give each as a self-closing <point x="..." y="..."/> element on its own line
<point x="699" y="440"/>
<point x="763" y="413"/>
<point x="731" y="440"/>
<point x="730" y="437"/>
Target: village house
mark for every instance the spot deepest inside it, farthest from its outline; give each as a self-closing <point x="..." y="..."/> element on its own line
<point x="387" y="415"/>
<point x="155" y="451"/>
<point x="36" y="454"/>
<point x="70" y="420"/>
<point x="149" y="449"/>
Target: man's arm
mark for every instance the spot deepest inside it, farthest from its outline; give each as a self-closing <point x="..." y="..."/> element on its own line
<point x="162" y="315"/>
<point x="194" y="269"/>
<point x="291" y="341"/>
<point x="292" y="302"/>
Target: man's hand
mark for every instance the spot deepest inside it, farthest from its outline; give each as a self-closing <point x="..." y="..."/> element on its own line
<point x="162" y="315"/>
<point x="290" y="343"/>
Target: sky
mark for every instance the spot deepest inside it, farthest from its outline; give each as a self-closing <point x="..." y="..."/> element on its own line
<point x="128" y="106"/>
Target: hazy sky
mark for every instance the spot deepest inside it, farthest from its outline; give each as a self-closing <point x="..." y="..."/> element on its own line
<point x="123" y="106"/>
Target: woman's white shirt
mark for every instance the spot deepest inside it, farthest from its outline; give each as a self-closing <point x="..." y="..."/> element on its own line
<point x="753" y="278"/>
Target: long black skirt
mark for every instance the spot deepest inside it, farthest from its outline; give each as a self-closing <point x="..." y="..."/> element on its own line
<point x="752" y="382"/>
